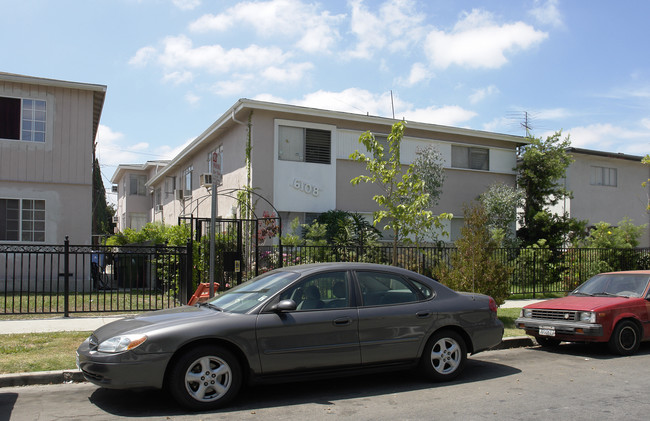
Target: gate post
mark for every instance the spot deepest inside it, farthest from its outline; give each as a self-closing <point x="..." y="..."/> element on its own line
<point x="66" y="277"/>
<point x="189" y="264"/>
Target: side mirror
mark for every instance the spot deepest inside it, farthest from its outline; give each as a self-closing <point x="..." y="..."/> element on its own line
<point x="284" y="305"/>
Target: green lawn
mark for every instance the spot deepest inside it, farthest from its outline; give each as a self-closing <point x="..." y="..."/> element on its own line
<point x="508" y="317"/>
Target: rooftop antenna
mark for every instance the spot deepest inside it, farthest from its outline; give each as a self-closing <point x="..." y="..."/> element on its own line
<point x="524" y="120"/>
<point x="392" y="105"/>
<point x="526" y="123"/>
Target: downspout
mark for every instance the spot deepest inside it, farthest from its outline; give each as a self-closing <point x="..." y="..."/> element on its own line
<point x="248" y="152"/>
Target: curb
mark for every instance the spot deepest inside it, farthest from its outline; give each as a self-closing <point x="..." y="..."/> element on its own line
<point x="515" y="342"/>
<point x="40" y="378"/>
<point x="75" y="376"/>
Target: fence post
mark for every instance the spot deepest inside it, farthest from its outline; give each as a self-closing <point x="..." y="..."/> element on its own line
<point x="189" y="263"/>
<point x="66" y="277"/>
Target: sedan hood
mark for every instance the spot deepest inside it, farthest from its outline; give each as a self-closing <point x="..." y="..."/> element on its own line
<point x="158" y="319"/>
<point x="576" y="302"/>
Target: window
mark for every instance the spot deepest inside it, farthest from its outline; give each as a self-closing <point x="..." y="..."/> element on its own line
<point x="382" y="288"/>
<point x="157" y="197"/>
<point x="187" y="177"/>
<point x="138" y="220"/>
<point x="136" y="185"/>
<point x="22" y="119"/>
<point x="22" y="220"/>
<point x="470" y="157"/>
<point x="383" y="141"/>
<point x="170" y="186"/>
<point x="603" y="176"/>
<point x="326" y="290"/>
<point x="304" y="145"/>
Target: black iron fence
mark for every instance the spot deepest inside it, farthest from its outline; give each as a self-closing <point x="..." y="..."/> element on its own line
<point x="532" y="271"/>
<point x="78" y="279"/>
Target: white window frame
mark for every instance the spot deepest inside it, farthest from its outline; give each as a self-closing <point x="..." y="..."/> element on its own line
<point x="31" y="221"/>
<point x="187" y="179"/>
<point x="461" y="157"/>
<point x="603" y="176"/>
<point x="295" y="136"/>
<point x="33" y="124"/>
<point x="140" y="188"/>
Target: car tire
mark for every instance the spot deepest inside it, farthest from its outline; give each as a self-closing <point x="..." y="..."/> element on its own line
<point x="204" y="378"/>
<point x="625" y="339"/>
<point x="547" y="342"/>
<point x="444" y="356"/>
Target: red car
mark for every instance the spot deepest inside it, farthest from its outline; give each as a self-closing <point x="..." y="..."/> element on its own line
<point x="610" y="307"/>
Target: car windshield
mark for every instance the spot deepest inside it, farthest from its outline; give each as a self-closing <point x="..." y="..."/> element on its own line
<point x="619" y="284"/>
<point x="248" y="295"/>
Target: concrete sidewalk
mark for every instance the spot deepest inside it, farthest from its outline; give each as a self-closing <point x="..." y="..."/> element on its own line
<point x="56" y="324"/>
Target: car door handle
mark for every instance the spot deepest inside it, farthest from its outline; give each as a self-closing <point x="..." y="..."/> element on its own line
<point x="343" y="321"/>
<point x="423" y="314"/>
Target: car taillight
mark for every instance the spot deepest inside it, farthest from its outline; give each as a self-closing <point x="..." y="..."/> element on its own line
<point x="493" y="305"/>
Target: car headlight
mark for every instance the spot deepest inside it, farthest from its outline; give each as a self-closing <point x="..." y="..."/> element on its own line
<point x="588" y="317"/>
<point x="526" y="312"/>
<point x="121" y="343"/>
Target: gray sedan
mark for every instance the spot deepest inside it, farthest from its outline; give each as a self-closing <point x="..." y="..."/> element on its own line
<point x="302" y="321"/>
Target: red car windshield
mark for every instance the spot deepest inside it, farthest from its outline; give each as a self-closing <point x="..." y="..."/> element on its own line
<point x="618" y="284"/>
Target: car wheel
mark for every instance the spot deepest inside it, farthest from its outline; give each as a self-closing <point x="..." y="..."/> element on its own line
<point x="625" y="339"/>
<point x="547" y="342"/>
<point x="444" y="356"/>
<point x="206" y="377"/>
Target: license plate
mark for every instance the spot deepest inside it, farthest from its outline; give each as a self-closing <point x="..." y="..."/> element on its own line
<point x="547" y="331"/>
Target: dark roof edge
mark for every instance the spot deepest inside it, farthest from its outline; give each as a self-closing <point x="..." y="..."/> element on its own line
<point x="616" y="155"/>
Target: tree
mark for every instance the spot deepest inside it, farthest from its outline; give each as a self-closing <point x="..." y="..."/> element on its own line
<point x="102" y="213"/>
<point x="501" y="203"/>
<point x="623" y="236"/>
<point x="474" y="267"/>
<point x="405" y="200"/>
<point x="542" y="167"/>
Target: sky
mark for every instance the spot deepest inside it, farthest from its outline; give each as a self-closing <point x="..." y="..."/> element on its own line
<point x="173" y="67"/>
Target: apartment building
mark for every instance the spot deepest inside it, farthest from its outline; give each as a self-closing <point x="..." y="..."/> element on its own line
<point x="300" y="165"/>
<point x="47" y="131"/>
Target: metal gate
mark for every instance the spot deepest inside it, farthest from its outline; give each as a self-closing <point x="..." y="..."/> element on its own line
<point x="237" y="245"/>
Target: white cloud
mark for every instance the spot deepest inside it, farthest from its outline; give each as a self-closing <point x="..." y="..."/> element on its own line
<point x="192" y="98"/>
<point x="314" y="29"/>
<point x="396" y="26"/>
<point x="610" y="138"/>
<point x="547" y="13"/>
<point x="551" y="114"/>
<point x="449" y="115"/>
<point x="361" y="101"/>
<point x="498" y="125"/>
<point x="237" y="85"/>
<point x="288" y="73"/>
<point x="178" y="77"/>
<point x="480" y="94"/>
<point x="419" y="73"/>
<point x="478" y="42"/>
<point x="143" y="56"/>
<point x="187" y="4"/>
<point x="179" y="52"/>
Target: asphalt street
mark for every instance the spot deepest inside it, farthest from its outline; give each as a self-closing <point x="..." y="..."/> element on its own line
<point x="575" y="382"/>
